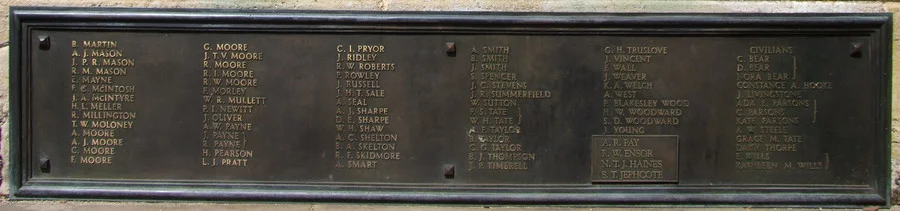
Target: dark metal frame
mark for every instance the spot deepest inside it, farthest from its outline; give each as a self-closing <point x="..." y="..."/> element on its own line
<point x="24" y="19"/>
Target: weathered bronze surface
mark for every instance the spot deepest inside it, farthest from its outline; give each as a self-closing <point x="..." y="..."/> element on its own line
<point x="451" y="107"/>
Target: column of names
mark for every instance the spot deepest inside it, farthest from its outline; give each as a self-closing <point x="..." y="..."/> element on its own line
<point x="102" y="113"/>
<point x="495" y="115"/>
<point x="627" y="151"/>
<point x="364" y="139"/>
<point x="771" y="105"/>
<point x="228" y="103"/>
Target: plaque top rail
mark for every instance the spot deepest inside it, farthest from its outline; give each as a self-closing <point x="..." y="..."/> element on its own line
<point x="532" y="19"/>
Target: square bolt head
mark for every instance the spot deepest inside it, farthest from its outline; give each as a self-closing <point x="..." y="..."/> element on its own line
<point x="449" y="171"/>
<point x="451" y="48"/>
<point x="44" y="42"/>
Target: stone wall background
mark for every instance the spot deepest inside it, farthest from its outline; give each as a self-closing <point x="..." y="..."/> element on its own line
<point x="637" y="6"/>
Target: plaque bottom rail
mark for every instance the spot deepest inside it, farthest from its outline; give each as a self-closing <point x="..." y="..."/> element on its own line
<point x="799" y="196"/>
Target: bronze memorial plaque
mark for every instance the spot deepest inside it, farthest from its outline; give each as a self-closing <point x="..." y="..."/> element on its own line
<point x="450" y="107"/>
